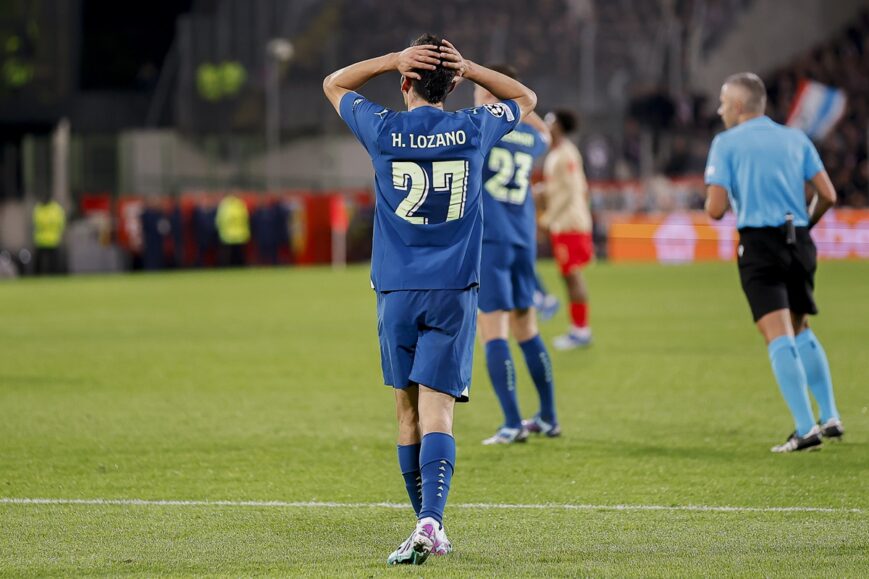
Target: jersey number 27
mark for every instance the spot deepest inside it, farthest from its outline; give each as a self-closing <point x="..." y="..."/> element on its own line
<point x="446" y="176"/>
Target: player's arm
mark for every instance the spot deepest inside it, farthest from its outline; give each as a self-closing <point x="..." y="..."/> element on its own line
<point x="353" y="77"/>
<point x="538" y="124"/>
<point x="502" y="86"/>
<point x="716" y="201"/>
<point x="825" y="198"/>
<point x="717" y="177"/>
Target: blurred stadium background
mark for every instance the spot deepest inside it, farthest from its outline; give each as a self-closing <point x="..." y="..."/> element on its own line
<point x="138" y="118"/>
<point x="260" y="388"/>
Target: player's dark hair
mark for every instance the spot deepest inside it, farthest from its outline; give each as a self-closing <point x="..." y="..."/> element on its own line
<point x="434" y="86"/>
<point x="567" y="120"/>
<point x="753" y="87"/>
<point x="505" y="69"/>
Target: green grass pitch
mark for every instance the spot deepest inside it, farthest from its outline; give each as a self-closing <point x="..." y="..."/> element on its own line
<point x="265" y="386"/>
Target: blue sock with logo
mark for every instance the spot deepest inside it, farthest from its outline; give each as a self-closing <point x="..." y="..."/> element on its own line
<point x="502" y="373"/>
<point x="791" y="378"/>
<point x="436" y="459"/>
<point x="540" y="368"/>
<point x="408" y="461"/>
<point x="818" y="373"/>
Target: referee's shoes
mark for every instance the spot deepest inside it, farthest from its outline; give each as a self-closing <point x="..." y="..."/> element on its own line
<point x="832" y="429"/>
<point x="794" y="443"/>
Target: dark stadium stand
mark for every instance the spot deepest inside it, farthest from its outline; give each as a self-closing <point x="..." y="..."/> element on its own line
<point x="843" y="62"/>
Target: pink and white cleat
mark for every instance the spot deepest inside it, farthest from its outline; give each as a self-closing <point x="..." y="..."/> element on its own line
<point x="416" y="549"/>
<point x="442" y="545"/>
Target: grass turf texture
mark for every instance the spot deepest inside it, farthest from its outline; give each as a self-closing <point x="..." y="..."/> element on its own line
<point x="265" y="385"/>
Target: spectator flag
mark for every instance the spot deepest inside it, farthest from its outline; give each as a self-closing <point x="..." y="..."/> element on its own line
<point x="817" y="108"/>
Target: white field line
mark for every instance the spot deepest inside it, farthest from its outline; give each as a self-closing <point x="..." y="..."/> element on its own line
<point x="470" y="506"/>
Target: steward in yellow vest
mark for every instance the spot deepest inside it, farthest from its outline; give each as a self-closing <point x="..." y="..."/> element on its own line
<point x="49" y="222"/>
<point x="233" y="228"/>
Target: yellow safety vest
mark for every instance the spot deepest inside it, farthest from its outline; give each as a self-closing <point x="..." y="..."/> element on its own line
<point x="49" y="221"/>
<point x="233" y="225"/>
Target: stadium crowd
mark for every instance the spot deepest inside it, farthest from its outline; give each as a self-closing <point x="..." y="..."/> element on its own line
<point x="491" y="30"/>
<point x="484" y="29"/>
<point x="688" y="122"/>
<point x="842" y="62"/>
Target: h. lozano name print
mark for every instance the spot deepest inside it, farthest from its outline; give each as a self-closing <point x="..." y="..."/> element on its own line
<point x="448" y="139"/>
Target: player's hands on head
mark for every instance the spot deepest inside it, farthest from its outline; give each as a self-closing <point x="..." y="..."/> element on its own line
<point x="423" y="57"/>
<point x="451" y="58"/>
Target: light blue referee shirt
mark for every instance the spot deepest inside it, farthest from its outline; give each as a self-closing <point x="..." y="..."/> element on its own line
<point x="764" y="166"/>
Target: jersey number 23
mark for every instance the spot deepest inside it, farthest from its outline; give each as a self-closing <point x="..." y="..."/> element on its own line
<point x="509" y="167"/>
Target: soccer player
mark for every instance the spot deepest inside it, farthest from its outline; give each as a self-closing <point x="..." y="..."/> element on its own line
<point x="428" y="236"/>
<point x="760" y="169"/>
<point x="508" y="278"/>
<point x="567" y="217"/>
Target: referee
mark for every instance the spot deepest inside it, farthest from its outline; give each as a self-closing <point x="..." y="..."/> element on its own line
<point x="760" y="168"/>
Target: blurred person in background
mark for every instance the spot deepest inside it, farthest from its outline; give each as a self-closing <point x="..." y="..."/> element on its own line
<point x="49" y="223"/>
<point x="8" y="270"/>
<point x="428" y="241"/>
<point x="567" y="218"/>
<point x="204" y="220"/>
<point x="233" y="228"/>
<point x="760" y="168"/>
<point x="507" y="276"/>
<point x="178" y="225"/>
<point x="155" y="228"/>
<point x="268" y="224"/>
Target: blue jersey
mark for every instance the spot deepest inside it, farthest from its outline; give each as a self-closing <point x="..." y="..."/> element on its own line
<point x="507" y="206"/>
<point x="428" y="163"/>
<point x="764" y="166"/>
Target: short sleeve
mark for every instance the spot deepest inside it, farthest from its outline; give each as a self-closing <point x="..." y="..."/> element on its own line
<point x="494" y="121"/>
<point x="812" y="164"/>
<point x="364" y="118"/>
<point x="718" y="165"/>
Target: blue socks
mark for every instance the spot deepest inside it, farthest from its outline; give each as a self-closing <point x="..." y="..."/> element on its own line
<point x="818" y="373"/>
<point x="540" y="368"/>
<point x="791" y="378"/>
<point x="436" y="458"/>
<point x="408" y="460"/>
<point x="502" y="373"/>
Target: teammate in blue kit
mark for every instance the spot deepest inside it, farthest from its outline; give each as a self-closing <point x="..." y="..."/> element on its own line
<point x="508" y="276"/>
<point x="425" y="265"/>
<point x="761" y="168"/>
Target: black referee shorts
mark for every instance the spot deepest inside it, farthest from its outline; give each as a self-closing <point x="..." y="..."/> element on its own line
<point x="776" y="275"/>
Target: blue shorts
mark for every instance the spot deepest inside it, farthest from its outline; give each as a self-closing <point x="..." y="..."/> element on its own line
<point x="506" y="277"/>
<point x="427" y="337"/>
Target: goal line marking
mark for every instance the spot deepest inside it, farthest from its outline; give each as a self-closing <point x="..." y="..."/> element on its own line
<point x="470" y="506"/>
